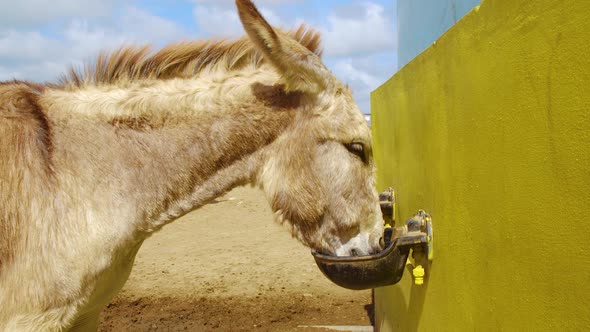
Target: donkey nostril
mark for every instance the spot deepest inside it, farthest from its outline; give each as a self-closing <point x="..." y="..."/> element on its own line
<point x="353" y="252"/>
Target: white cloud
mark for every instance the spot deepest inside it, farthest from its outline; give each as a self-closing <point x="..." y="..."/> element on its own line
<point x="83" y="39"/>
<point x="256" y="2"/>
<point x="145" y="27"/>
<point x="364" y="74"/>
<point x="34" y="12"/>
<point x="34" y="56"/>
<point x="367" y="31"/>
<point x="215" y="20"/>
<point x="352" y="33"/>
<point x="345" y="68"/>
<point x="22" y="46"/>
<point x="40" y="71"/>
<point x="218" y="21"/>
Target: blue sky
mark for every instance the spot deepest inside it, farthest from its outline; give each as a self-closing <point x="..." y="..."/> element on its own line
<point x="40" y="39"/>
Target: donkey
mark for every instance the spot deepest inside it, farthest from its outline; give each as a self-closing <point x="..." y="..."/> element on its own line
<point x="94" y="164"/>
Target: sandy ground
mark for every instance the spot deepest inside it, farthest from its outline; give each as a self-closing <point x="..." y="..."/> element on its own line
<point x="229" y="267"/>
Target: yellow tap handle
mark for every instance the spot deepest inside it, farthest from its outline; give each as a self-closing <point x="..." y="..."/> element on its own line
<point x="418" y="274"/>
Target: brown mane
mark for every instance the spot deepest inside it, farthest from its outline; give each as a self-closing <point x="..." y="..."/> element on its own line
<point x="178" y="60"/>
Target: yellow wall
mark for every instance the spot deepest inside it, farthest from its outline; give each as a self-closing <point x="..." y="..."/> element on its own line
<point x="489" y="131"/>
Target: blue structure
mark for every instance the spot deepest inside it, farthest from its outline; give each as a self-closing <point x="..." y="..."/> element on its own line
<point x="421" y="22"/>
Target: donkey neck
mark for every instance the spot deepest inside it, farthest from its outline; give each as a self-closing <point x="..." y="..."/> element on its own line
<point x="170" y="147"/>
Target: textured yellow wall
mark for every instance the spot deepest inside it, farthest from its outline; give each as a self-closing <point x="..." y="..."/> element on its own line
<point x="489" y="131"/>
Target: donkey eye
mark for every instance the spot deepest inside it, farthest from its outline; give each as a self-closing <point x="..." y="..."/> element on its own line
<point x="357" y="149"/>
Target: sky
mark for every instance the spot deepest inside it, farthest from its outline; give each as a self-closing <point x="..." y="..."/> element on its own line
<point x="41" y="39"/>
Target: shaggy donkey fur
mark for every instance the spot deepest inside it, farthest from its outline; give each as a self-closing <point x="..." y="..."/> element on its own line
<point x="93" y="165"/>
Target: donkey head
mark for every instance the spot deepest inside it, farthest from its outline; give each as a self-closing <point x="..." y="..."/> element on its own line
<point x="319" y="174"/>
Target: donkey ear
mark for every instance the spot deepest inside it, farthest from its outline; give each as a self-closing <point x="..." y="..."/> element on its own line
<point x="301" y="69"/>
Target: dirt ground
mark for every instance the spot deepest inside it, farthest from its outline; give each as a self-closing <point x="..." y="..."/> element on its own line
<point x="229" y="267"/>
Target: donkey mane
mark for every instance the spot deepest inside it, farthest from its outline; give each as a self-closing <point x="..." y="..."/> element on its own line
<point x="177" y="60"/>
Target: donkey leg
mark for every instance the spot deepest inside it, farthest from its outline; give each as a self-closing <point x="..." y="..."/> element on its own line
<point x="87" y="322"/>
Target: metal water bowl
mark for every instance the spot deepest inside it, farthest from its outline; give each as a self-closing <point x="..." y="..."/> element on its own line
<point x="386" y="267"/>
<point x="365" y="272"/>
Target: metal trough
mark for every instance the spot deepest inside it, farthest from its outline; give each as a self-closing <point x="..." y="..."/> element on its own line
<point x="386" y="267"/>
